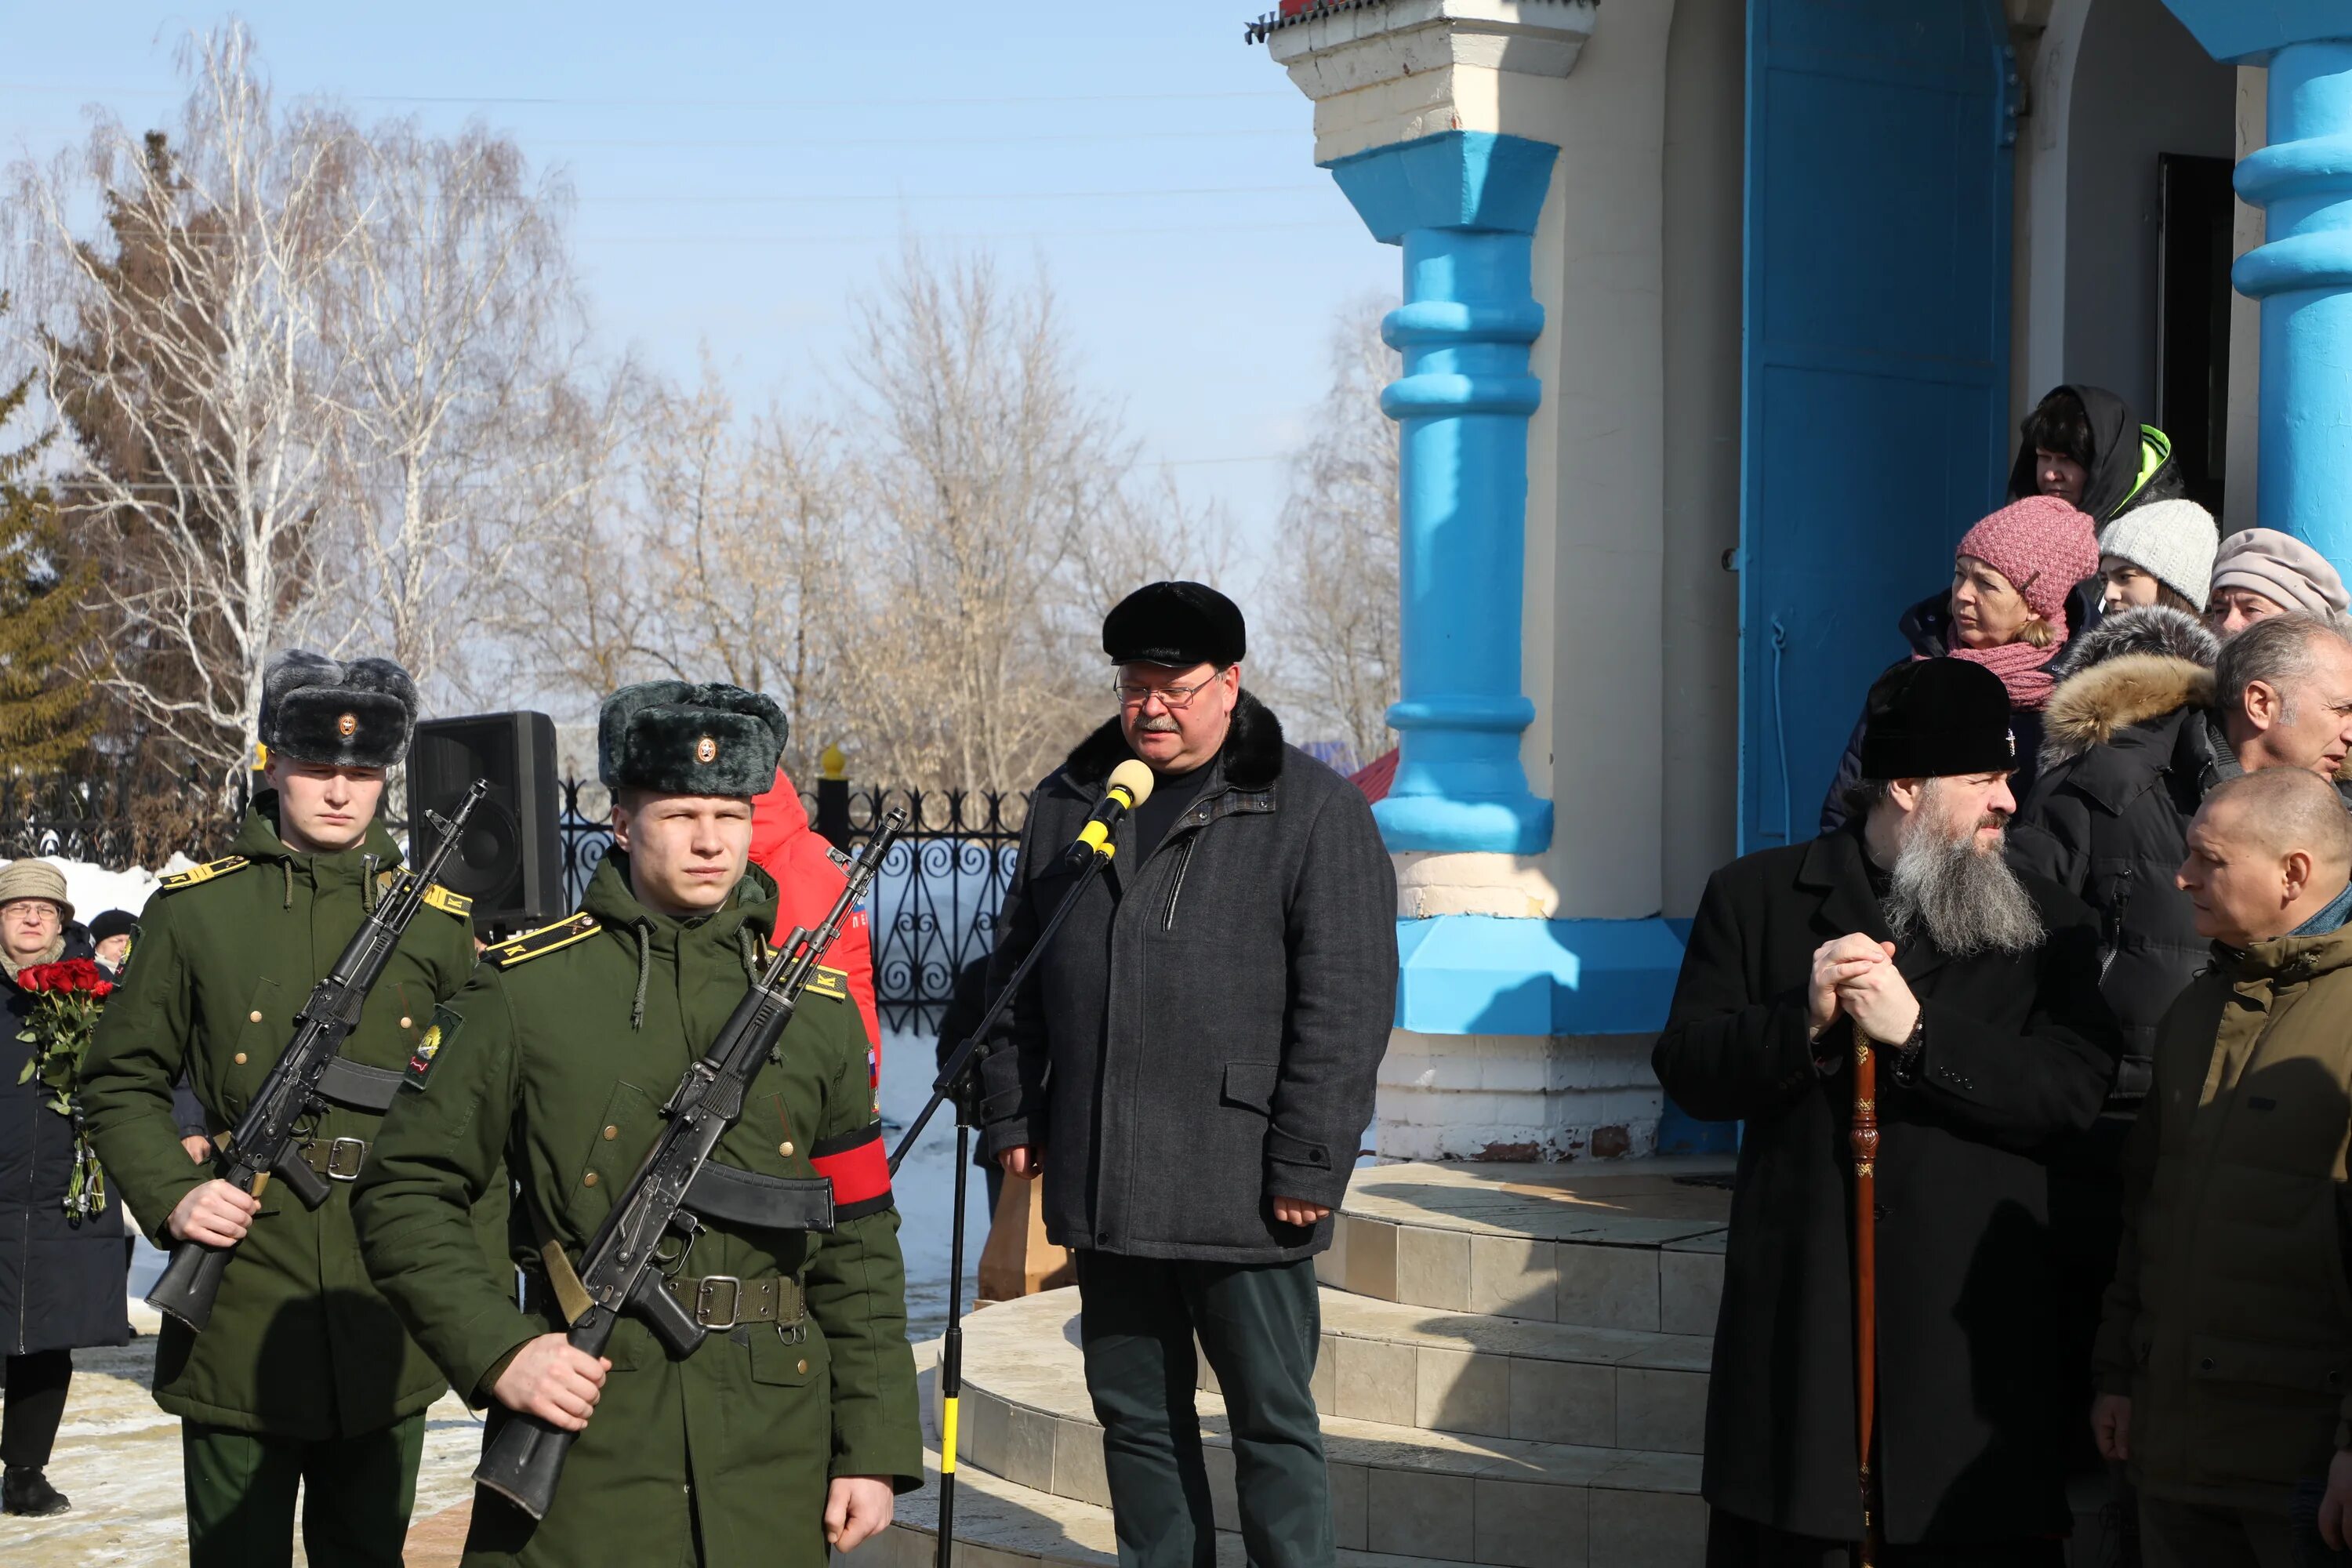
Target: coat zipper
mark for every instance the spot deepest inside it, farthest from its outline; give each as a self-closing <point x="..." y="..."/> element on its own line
<point x="1176" y="888"/>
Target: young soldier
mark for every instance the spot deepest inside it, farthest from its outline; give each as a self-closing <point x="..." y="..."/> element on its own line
<point x="793" y="1425"/>
<point x="304" y="1376"/>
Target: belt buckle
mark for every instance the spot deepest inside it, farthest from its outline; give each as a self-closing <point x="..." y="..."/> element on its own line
<point x="336" y="1169"/>
<point x="702" y="1294"/>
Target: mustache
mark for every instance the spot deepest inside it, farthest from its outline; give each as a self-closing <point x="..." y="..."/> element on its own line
<point x="1160" y="725"/>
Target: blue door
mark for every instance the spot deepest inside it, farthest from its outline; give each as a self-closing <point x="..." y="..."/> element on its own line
<point x="1875" y="418"/>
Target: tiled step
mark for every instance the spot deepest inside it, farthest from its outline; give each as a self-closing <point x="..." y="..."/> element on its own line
<point x="1506" y="1377"/>
<point x="1638" y="1245"/>
<point x="1001" y="1525"/>
<point x="1395" y="1487"/>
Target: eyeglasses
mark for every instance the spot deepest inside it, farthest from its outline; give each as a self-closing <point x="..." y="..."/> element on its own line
<point x="1176" y="698"/>
<point x="41" y="906"/>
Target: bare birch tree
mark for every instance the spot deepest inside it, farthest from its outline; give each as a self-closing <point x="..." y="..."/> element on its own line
<point x="1335" y="577"/>
<point x="461" y="320"/>
<point x="186" y="349"/>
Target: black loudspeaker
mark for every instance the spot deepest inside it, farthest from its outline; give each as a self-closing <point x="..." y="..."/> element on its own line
<point x="511" y="862"/>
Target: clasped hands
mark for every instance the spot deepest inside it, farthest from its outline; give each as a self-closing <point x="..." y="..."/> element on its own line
<point x="1855" y="976"/>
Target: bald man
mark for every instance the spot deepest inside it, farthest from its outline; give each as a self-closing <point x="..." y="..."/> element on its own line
<point x="2225" y="1356"/>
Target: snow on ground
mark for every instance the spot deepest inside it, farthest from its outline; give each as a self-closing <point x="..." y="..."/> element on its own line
<point x="92" y="890"/>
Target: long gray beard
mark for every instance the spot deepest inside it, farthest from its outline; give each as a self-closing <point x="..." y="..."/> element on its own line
<point x="1967" y="902"/>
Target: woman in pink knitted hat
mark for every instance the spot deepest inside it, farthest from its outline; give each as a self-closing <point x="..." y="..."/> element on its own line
<point x="2006" y="611"/>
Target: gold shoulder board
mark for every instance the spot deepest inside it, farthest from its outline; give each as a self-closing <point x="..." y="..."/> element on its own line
<point x="435" y="894"/>
<point x="831" y="983"/>
<point x="535" y="943"/>
<point x="204" y="873"/>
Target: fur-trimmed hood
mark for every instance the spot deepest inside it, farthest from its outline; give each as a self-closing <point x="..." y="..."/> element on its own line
<point x="2132" y="667"/>
<point x="1252" y="754"/>
<point x="2150" y="629"/>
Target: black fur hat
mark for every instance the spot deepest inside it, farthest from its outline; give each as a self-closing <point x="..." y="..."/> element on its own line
<point x="671" y="736"/>
<point x="1176" y="624"/>
<point x="320" y="710"/>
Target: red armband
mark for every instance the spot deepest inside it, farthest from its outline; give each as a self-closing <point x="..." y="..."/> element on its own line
<point x="858" y="1166"/>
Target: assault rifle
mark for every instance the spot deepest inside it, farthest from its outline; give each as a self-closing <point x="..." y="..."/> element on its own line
<point x="270" y="1136"/>
<point x="621" y="1271"/>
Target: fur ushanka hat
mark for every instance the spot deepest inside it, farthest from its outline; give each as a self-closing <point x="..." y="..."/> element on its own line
<point x="320" y="710"/>
<point x="670" y="737"/>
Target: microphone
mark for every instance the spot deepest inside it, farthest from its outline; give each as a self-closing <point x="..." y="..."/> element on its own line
<point x="1131" y="787"/>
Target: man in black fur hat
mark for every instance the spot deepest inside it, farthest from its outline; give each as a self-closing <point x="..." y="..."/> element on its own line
<point x="1190" y="1067"/>
<point x="304" y="1381"/>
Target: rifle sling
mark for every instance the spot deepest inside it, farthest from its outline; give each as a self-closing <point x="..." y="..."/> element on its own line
<point x="718" y="1191"/>
<point x="769" y="1203"/>
<point x="359" y="1086"/>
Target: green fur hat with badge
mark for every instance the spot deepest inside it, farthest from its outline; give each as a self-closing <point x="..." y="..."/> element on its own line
<point x="673" y="737"/>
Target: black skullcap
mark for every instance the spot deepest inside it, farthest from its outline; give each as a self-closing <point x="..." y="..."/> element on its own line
<point x="1175" y="624"/>
<point x="672" y="737"/>
<point x="1933" y="718"/>
<point x="320" y="710"/>
<point x="113" y="922"/>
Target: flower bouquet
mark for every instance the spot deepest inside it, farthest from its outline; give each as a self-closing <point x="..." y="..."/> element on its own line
<point x="65" y="1000"/>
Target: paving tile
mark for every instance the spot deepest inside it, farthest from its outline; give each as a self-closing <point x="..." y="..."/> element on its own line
<point x="1563" y="1401"/>
<point x="1331" y="1263"/>
<point x="1377" y="1381"/>
<point x="1350" y="1496"/>
<point x="1325" y="1383"/>
<point x="1690" y="1289"/>
<point x="1646" y="1529"/>
<point x="1078" y="1464"/>
<point x="1432" y="1268"/>
<point x="1415" y="1514"/>
<point x="1608" y="1286"/>
<point x="1663" y="1412"/>
<point x="1371" y="1259"/>
<point x="1459" y="1392"/>
<point x="1027" y="1458"/>
<point x="1512" y="1277"/>
<point x="987" y="1416"/>
<point x="1521" y="1525"/>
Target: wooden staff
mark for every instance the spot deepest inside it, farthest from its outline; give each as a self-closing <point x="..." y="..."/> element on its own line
<point x="1865" y="1280"/>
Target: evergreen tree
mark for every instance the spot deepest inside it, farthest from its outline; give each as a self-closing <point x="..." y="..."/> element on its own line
<point x="45" y="714"/>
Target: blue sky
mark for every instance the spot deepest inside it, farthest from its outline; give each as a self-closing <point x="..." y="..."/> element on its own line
<point x="743" y="169"/>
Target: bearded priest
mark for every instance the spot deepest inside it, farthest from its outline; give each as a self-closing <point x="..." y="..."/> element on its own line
<point x="1977" y="988"/>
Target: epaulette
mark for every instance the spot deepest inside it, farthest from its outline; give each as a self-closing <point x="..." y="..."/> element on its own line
<point x="435" y="894"/>
<point x="536" y="944"/>
<point x="204" y="873"/>
<point x="833" y="983"/>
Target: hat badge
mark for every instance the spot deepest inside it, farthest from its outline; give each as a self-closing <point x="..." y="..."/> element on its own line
<point x="706" y="749"/>
<point x="348" y="725"/>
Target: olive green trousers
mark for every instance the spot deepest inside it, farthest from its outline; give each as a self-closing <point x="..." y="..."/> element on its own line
<point x="356" y="1495"/>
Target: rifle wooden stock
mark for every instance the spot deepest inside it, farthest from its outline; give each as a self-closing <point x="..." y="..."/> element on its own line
<point x="1864" y="1136"/>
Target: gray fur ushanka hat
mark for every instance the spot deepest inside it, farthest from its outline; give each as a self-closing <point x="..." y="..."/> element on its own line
<point x="671" y="736"/>
<point x="320" y="710"/>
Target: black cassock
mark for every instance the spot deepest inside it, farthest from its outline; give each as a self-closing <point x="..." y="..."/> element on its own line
<point x="1973" y="1419"/>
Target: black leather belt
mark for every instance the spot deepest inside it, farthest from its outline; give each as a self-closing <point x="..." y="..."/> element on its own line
<point x="723" y="1300"/>
<point x="338" y="1159"/>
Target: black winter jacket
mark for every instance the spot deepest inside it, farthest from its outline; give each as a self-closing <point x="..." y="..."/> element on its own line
<point x="1203" y="1034"/>
<point x="61" y="1284"/>
<point x="2127" y="756"/>
<point x="1973" y="1419"/>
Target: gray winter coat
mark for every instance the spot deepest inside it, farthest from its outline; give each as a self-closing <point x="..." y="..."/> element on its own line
<point x="1202" y="1035"/>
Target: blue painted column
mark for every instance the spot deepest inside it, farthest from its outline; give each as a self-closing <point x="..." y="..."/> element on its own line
<point x="2303" y="275"/>
<point x="1462" y="205"/>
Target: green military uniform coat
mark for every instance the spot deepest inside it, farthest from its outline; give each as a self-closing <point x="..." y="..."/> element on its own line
<point x="301" y="1344"/>
<point x="544" y="1073"/>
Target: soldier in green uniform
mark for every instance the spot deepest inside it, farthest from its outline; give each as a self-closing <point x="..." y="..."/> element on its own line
<point x="794" y="1424"/>
<point x="304" y="1376"/>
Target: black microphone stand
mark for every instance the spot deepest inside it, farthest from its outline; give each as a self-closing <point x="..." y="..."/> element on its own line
<point x="956" y="1079"/>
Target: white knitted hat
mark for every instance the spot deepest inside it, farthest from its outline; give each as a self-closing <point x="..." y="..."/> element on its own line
<point x="2172" y="541"/>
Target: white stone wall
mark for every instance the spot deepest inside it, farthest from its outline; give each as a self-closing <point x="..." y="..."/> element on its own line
<point x="1517" y="1097"/>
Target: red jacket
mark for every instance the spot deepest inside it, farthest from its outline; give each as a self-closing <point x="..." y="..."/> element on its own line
<point x="808" y="880"/>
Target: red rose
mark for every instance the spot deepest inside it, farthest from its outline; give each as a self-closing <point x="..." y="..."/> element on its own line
<point x="74" y="976"/>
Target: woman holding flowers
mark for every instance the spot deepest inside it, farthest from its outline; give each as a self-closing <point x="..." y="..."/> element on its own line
<point x="61" y="1235"/>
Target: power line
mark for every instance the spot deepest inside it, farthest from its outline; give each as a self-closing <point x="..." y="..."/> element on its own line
<point x="52" y="90"/>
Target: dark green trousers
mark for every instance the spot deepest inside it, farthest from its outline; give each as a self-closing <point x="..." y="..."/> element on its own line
<point x="1260" y="1327"/>
<point x="356" y="1496"/>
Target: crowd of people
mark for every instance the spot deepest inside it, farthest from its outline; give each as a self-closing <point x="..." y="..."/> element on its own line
<point x="2076" y="916"/>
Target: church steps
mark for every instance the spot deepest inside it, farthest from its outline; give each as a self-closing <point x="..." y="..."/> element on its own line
<point x="1635" y="1247"/>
